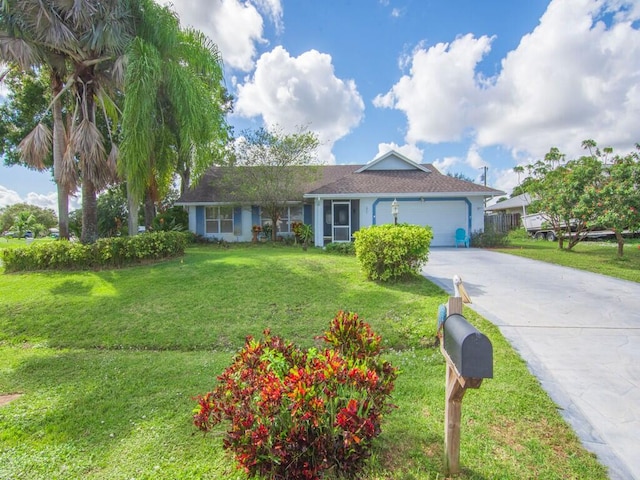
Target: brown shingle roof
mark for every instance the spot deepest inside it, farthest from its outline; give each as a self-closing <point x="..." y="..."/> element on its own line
<point x="343" y="180"/>
<point x="399" y="181"/>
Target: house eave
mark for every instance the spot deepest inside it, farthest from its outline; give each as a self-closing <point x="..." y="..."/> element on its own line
<point x="331" y="196"/>
<point x="213" y="204"/>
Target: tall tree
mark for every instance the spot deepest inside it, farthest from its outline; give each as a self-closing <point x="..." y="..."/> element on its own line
<point x="21" y="31"/>
<point x="175" y="106"/>
<point x="616" y="195"/>
<point x="271" y="169"/>
<point x="561" y="190"/>
<point x="91" y="36"/>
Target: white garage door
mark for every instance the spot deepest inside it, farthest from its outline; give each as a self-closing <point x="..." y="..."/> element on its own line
<point x="444" y="217"/>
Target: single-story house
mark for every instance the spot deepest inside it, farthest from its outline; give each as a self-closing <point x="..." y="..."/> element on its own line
<point x="348" y="197"/>
<point x="517" y="204"/>
<point x="507" y="215"/>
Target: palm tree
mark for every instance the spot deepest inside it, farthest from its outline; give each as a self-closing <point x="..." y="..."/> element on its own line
<point x="175" y="104"/>
<point x="91" y="36"/>
<point x="19" y="46"/>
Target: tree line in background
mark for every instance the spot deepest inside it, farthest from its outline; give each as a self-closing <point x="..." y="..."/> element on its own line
<point x="113" y="217"/>
<point x="595" y="191"/>
<point x="102" y="93"/>
<point x="17" y="219"/>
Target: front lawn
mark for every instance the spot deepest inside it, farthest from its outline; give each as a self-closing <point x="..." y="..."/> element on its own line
<point x="597" y="256"/>
<point x="108" y="362"/>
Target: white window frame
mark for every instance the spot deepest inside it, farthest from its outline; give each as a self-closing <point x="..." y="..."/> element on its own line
<point x="284" y="224"/>
<point x="286" y="218"/>
<point x="215" y="215"/>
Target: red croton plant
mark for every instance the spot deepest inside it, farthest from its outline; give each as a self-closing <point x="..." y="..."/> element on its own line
<point x="298" y="414"/>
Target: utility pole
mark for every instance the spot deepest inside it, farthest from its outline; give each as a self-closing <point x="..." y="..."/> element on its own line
<point x="484" y="180"/>
<point x="484" y="175"/>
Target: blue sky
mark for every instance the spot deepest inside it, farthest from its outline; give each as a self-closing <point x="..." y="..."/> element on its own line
<point x="462" y="84"/>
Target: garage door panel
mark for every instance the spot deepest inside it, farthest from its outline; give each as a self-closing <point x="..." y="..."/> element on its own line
<point x="444" y="217"/>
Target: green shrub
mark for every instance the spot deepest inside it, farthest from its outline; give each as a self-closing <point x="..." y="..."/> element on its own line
<point x="300" y="414"/>
<point x="105" y="253"/>
<point x="391" y="252"/>
<point x="173" y="219"/>
<point x="489" y="238"/>
<point x="342" y="248"/>
<point x="518" y="234"/>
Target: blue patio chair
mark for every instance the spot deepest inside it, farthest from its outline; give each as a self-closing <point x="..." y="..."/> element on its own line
<point x="462" y="237"/>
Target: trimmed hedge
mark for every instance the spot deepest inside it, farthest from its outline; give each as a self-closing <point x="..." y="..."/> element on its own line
<point x="341" y="248"/>
<point x="391" y="252"/>
<point x="112" y="252"/>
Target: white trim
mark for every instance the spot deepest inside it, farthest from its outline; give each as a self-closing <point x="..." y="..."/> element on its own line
<point x="343" y="227"/>
<point x="332" y="196"/>
<point x="204" y="204"/>
<point x="393" y="153"/>
<point x="219" y="219"/>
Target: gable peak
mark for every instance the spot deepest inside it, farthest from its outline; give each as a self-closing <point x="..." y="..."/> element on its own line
<point x="392" y="160"/>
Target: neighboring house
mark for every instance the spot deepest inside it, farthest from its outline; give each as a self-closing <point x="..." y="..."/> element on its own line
<point x="517" y="204"/>
<point x="507" y="215"/>
<point x="349" y="197"/>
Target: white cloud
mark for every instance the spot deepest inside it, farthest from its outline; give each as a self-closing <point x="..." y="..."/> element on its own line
<point x="573" y="77"/>
<point x="8" y="197"/>
<point x="474" y="158"/>
<point x="235" y="26"/>
<point x="446" y="164"/>
<point x="439" y="90"/>
<point x="273" y="9"/>
<point x="48" y="200"/>
<point x="384" y="101"/>
<point x="301" y="91"/>
<point x="410" y="151"/>
<point x="504" y="180"/>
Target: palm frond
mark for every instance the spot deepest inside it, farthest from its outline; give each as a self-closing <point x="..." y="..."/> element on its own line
<point x="203" y="54"/>
<point x="109" y="110"/>
<point x="80" y="12"/>
<point x="112" y="162"/>
<point x="49" y="28"/>
<point x="109" y="30"/>
<point x="67" y="174"/>
<point x="18" y="51"/>
<point x="139" y="114"/>
<point x="36" y="146"/>
<point x="87" y="141"/>
<point x="118" y="70"/>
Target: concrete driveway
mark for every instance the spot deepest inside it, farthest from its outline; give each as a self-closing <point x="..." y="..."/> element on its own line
<point x="578" y="332"/>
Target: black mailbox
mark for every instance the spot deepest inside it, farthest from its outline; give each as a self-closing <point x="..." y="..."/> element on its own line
<point x="470" y="351"/>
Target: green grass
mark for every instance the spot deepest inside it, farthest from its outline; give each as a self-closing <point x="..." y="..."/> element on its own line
<point x="592" y="256"/>
<point x="108" y="363"/>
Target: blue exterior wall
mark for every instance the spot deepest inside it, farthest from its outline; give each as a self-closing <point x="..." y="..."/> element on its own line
<point x="200" y="220"/>
<point x="307" y="214"/>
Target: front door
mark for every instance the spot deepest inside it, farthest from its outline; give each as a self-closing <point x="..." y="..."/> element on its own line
<point x="341" y="222"/>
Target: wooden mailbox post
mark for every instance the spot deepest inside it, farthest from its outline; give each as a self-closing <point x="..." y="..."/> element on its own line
<point x="469" y="357"/>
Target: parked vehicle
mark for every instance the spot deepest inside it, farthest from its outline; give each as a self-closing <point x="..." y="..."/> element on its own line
<point x="538" y="227"/>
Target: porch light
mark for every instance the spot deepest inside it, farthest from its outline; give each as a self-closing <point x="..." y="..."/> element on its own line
<point x="394" y="211"/>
